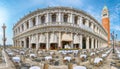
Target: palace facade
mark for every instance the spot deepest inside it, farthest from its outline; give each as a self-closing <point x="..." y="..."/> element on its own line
<point x="59" y="27"/>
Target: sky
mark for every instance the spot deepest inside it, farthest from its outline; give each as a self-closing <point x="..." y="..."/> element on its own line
<point x="12" y="11"/>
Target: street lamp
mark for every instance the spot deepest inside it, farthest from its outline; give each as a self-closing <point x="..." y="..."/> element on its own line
<point x="114" y="37"/>
<point x="4" y="39"/>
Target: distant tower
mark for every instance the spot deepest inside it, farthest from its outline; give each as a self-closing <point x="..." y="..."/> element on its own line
<point x="106" y="22"/>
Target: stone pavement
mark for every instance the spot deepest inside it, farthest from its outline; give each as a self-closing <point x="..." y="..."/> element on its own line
<point x="8" y="64"/>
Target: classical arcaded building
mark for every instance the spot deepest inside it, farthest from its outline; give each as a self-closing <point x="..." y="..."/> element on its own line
<point x="59" y="27"/>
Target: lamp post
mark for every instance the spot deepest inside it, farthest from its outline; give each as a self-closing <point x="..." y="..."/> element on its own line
<point x="114" y="37"/>
<point x="4" y="39"/>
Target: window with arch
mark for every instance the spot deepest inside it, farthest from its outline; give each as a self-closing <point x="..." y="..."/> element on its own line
<point x="90" y="24"/>
<point x="42" y="19"/>
<point x="84" y="21"/>
<point x="27" y="24"/>
<point x="76" y="19"/>
<point x="34" y="22"/>
<point x="65" y="18"/>
<point x="54" y="18"/>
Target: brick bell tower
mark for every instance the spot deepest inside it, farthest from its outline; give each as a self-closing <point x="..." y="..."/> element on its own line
<point x="106" y="22"/>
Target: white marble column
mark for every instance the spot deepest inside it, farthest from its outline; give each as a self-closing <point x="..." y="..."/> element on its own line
<point x="30" y="42"/>
<point x="39" y="19"/>
<point x="47" y="43"/>
<point x="96" y="43"/>
<point x="81" y="21"/>
<point x="20" y="43"/>
<point x="61" y="17"/>
<point x="25" y="26"/>
<point x="58" y="15"/>
<point x="92" y="43"/>
<point x="30" y="23"/>
<point x="71" y="18"/>
<point x="47" y="18"/>
<point x="24" y="43"/>
<point x="81" y="38"/>
<point x="72" y="41"/>
<point x="87" y="42"/>
<point x="36" y="20"/>
<point x="20" y="29"/>
<point x="59" y="44"/>
<point x="37" y="42"/>
<point x="87" y="22"/>
<point x="92" y="26"/>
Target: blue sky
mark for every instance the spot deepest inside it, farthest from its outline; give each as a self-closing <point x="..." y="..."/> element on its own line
<point x="12" y="10"/>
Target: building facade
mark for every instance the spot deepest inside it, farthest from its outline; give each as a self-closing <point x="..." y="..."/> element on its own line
<point x="59" y="27"/>
<point x="106" y="22"/>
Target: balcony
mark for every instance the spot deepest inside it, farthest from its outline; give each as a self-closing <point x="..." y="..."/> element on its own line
<point x="83" y="27"/>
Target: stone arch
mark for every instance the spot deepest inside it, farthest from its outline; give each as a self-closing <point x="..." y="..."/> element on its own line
<point x="34" y="21"/>
<point x="27" y="42"/>
<point x="42" y="19"/>
<point x="90" y="43"/>
<point x="84" y="43"/>
<point x="54" y="17"/>
<point x="65" y="18"/>
<point x="76" y="20"/>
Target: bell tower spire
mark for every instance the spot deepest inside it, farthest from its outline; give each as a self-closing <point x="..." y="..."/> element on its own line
<point x="106" y="22"/>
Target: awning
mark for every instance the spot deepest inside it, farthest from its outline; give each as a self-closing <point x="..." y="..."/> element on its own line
<point x="53" y="38"/>
<point x="42" y="39"/>
<point x="66" y="37"/>
<point x="76" y="39"/>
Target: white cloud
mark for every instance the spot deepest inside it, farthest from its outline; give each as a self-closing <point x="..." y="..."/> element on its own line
<point x="116" y="27"/>
<point x="115" y="18"/>
<point x="93" y="13"/>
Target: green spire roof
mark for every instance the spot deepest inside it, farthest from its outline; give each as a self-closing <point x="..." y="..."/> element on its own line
<point x="105" y="7"/>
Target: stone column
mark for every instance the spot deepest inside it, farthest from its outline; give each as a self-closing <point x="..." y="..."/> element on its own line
<point x="71" y="18"/>
<point x="78" y="21"/>
<point x="20" y="43"/>
<point x="58" y="15"/>
<point x="92" y="43"/>
<point x="61" y="17"/>
<point x="24" y="43"/>
<point x="81" y="38"/>
<point x="59" y="44"/>
<point x="30" y="23"/>
<point x="47" y="43"/>
<point x="81" y="21"/>
<point x="20" y="29"/>
<point x="96" y="43"/>
<point x="50" y="18"/>
<point x="29" y="42"/>
<point x="92" y="26"/>
<point x="87" y="23"/>
<point x="37" y="42"/>
<point x="25" y="26"/>
<point x="36" y="20"/>
<point x="87" y="42"/>
<point x="47" y="18"/>
<point x="39" y="19"/>
<point x="72" y="41"/>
